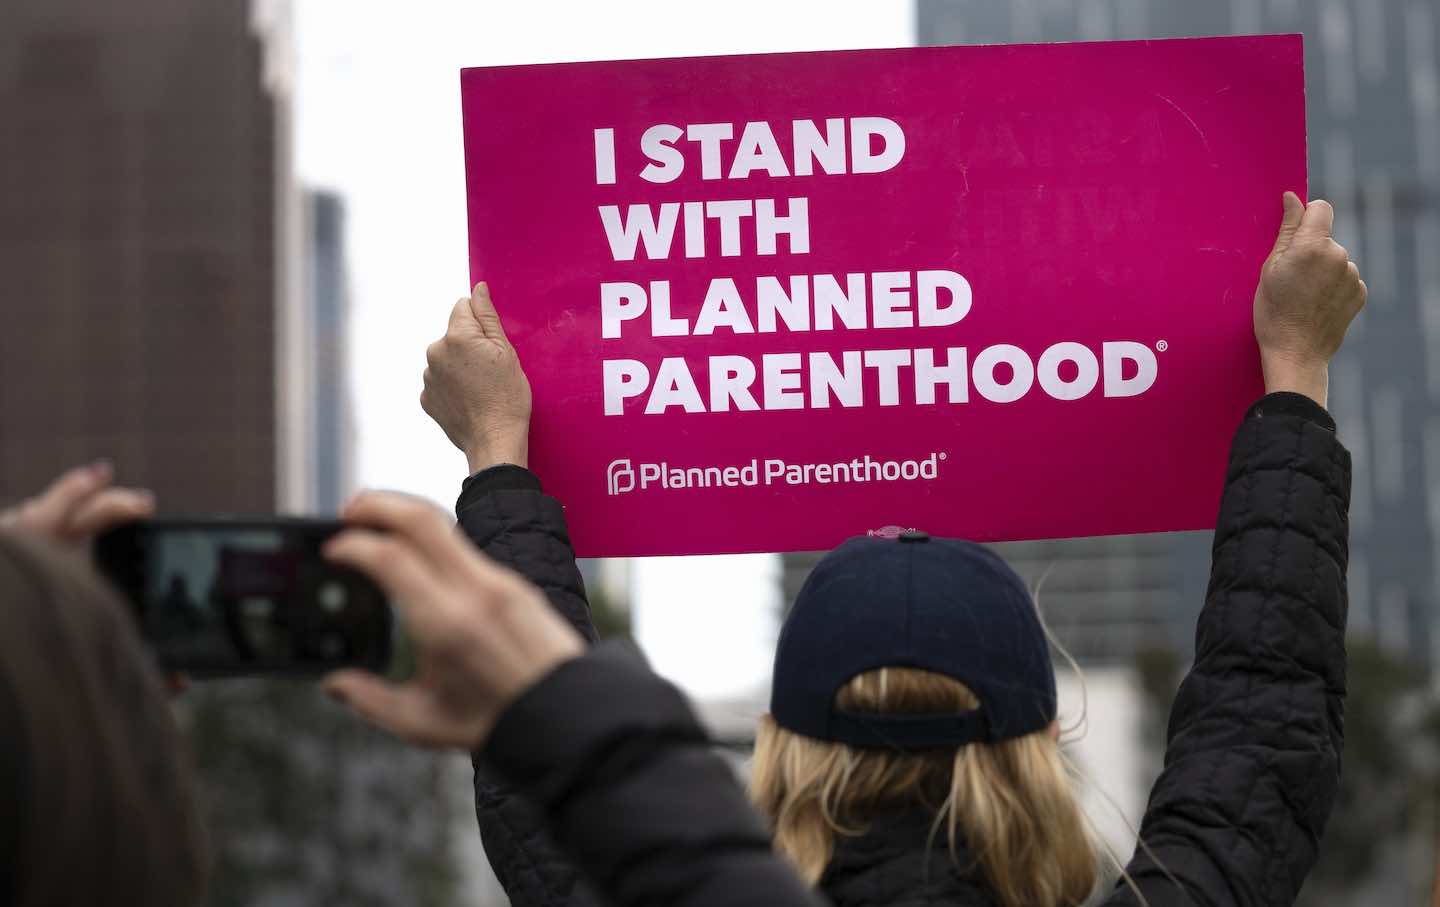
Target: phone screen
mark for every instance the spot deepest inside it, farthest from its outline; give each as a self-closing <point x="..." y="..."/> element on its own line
<point x="233" y="598"/>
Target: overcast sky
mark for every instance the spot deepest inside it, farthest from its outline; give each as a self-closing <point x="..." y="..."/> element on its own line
<point x="377" y="117"/>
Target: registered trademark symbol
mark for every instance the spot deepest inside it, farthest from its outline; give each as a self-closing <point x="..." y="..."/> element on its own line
<point x="1162" y="346"/>
<point x="943" y="456"/>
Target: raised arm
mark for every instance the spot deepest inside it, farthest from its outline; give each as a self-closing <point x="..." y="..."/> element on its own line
<point x="1252" y="765"/>
<point x="476" y="391"/>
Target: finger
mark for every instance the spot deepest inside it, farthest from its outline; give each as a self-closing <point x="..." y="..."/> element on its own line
<point x="1294" y="211"/>
<point x="1318" y="220"/>
<point x="1352" y="269"/>
<point x="492" y="582"/>
<point x="483" y="310"/>
<point x="51" y="511"/>
<point x="110" y="508"/>
<point x="418" y="522"/>
<point x="461" y="318"/>
<point x="394" y="708"/>
<point x="406" y="576"/>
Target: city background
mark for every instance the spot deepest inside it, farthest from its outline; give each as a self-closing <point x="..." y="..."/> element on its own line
<point x="231" y="228"/>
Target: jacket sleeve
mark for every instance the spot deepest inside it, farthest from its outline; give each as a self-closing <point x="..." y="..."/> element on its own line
<point x="1252" y="765"/>
<point x="634" y="792"/>
<point x="506" y="514"/>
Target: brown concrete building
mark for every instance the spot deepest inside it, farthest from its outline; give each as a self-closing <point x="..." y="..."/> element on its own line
<point x="144" y="182"/>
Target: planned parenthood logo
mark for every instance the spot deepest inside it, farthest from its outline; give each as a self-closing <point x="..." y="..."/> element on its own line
<point x="624" y="475"/>
<point x="620" y="477"/>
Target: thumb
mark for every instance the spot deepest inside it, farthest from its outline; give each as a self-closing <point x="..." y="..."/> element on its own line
<point x="1319" y="220"/>
<point x="1290" y="223"/>
<point x="382" y="704"/>
<point x="484" y="311"/>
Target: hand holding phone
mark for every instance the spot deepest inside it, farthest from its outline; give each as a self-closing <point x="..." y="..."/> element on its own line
<point x="481" y="634"/>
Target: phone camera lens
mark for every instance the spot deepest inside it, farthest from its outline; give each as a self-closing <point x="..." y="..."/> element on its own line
<point x="332" y="597"/>
<point x="332" y="646"/>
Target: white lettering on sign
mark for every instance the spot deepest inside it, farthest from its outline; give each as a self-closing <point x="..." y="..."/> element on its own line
<point x="1002" y="373"/>
<point x="730" y="221"/>
<point x="625" y="475"/>
<point x="899" y="300"/>
<point x="869" y="145"/>
<point x="886" y="299"/>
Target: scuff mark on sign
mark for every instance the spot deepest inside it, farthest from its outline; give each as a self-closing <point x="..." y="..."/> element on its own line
<point x="1189" y="119"/>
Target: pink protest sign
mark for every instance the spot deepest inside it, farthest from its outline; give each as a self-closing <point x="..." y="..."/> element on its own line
<point x="770" y="302"/>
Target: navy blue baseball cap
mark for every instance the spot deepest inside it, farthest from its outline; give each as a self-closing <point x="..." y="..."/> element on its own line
<point x="942" y="605"/>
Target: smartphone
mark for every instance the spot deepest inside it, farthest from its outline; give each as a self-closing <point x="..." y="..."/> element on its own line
<point x="236" y="597"/>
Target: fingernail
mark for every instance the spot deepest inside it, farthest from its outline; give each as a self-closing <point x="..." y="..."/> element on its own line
<point x="101" y="466"/>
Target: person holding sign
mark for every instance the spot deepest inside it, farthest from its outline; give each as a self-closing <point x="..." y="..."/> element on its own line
<point x="910" y="757"/>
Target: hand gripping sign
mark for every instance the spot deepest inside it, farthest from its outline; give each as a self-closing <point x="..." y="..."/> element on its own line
<point x="769" y="302"/>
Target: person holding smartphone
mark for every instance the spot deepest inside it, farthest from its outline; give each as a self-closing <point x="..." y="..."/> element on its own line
<point x="1252" y="764"/>
<point x="97" y="796"/>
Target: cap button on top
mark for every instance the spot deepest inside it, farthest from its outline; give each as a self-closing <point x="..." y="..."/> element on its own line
<point x="914" y="535"/>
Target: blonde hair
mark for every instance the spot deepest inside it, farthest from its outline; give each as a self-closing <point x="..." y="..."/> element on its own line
<point x="1010" y="803"/>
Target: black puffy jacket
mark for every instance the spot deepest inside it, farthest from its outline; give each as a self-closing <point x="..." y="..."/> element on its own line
<point x="619" y="768"/>
<point x="898" y="863"/>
